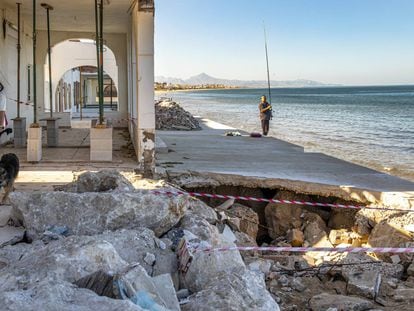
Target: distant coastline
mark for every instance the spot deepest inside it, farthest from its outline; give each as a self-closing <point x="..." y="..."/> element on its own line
<point x="164" y="86"/>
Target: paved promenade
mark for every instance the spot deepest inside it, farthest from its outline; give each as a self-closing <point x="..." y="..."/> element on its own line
<point x="210" y="150"/>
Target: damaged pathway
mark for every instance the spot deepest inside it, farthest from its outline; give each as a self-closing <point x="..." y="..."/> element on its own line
<point x="209" y="151"/>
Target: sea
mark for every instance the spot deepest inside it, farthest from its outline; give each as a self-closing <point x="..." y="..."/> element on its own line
<point x="369" y="125"/>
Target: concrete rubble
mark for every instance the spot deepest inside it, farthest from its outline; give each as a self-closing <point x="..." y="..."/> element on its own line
<point x="102" y="243"/>
<point x="107" y="241"/>
<point x="171" y="116"/>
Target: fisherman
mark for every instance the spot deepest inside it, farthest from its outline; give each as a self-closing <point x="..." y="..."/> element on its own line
<point x="265" y="114"/>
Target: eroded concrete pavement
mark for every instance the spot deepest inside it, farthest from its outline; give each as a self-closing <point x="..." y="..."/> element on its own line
<point x="276" y="163"/>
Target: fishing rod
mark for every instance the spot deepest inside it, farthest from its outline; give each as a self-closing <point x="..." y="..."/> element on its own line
<point x="267" y="64"/>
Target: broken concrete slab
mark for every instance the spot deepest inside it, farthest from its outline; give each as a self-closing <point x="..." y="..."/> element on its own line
<point x="10" y="216"/>
<point x="11" y="235"/>
<point x="365" y="284"/>
<point x="93" y="213"/>
<point x="58" y="295"/>
<point x="405" y="295"/>
<point x="68" y="260"/>
<point x="345" y="303"/>
<point x="237" y="289"/>
<point x="358" y="263"/>
<point x="165" y="289"/>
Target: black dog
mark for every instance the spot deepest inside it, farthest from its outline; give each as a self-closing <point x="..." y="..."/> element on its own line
<point x="6" y="131"/>
<point x="9" y="169"/>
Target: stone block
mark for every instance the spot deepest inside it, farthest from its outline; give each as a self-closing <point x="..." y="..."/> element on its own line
<point x="19" y="132"/>
<point x="34" y="145"/>
<point x="11" y="235"/>
<point x="104" y="156"/>
<point x="80" y="124"/>
<point x="104" y="145"/>
<point x="35" y="133"/>
<point x="364" y="284"/>
<point x="295" y="237"/>
<point x="52" y="132"/>
<point x="165" y="289"/>
<point x="101" y="133"/>
<point x="8" y="215"/>
<point x="410" y="270"/>
<point x="101" y="144"/>
<point x="324" y="301"/>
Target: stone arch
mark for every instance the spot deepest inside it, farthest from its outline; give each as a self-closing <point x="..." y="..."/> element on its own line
<point x="73" y="53"/>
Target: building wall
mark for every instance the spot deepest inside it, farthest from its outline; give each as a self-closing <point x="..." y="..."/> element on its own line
<point x="8" y="64"/>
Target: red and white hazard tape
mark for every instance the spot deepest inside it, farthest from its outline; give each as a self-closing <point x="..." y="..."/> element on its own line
<point x="243" y="198"/>
<point x="195" y="249"/>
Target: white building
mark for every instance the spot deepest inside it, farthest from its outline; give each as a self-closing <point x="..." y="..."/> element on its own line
<point x="128" y="62"/>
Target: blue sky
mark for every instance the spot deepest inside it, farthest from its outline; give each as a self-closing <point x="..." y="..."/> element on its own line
<point x="354" y="42"/>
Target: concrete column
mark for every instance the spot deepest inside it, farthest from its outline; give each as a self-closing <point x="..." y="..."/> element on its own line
<point x="143" y="30"/>
<point x="19" y="132"/>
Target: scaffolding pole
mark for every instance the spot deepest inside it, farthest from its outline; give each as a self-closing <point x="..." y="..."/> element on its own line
<point x="99" y="55"/>
<point x="34" y="65"/>
<point x="19" y="48"/>
<point x="49" y="50"/>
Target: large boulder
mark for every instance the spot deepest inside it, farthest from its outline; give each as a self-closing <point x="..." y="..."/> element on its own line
<point x="206" y="266"/>
<point x="92" y="212"/>
<point x="66" y="260"/>
<point x="200" y="227"/>
<point x="237" y="289"/>
<point x="102" y="181"/>
<point x="282" y="217"/>
<point x="62" y="296"/>
<point x="10" y="235"/>
<point x="138" y="244"/>
<point x="249" y="220"/>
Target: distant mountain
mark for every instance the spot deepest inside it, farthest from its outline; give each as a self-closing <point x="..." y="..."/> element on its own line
<point x="204" y="78"/>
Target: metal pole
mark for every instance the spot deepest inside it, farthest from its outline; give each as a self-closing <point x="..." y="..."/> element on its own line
<point x="267" y="63"/>
<point x="98" y="20"/>
<point x="48" y="8"/>
<point x="34" y="65"/>
<point x="101" y="97"/>
<point x="111" y="91"/>
<point x="98" y="46"/>
<point x="81" y="91"/>
<point x="19" y="47"/>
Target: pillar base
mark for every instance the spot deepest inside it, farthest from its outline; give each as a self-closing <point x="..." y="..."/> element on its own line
<point x="34" y="144"/>
<point x="52" y="125"/>
<point x="19" y="132"/>
<point x="101" y="144"/>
